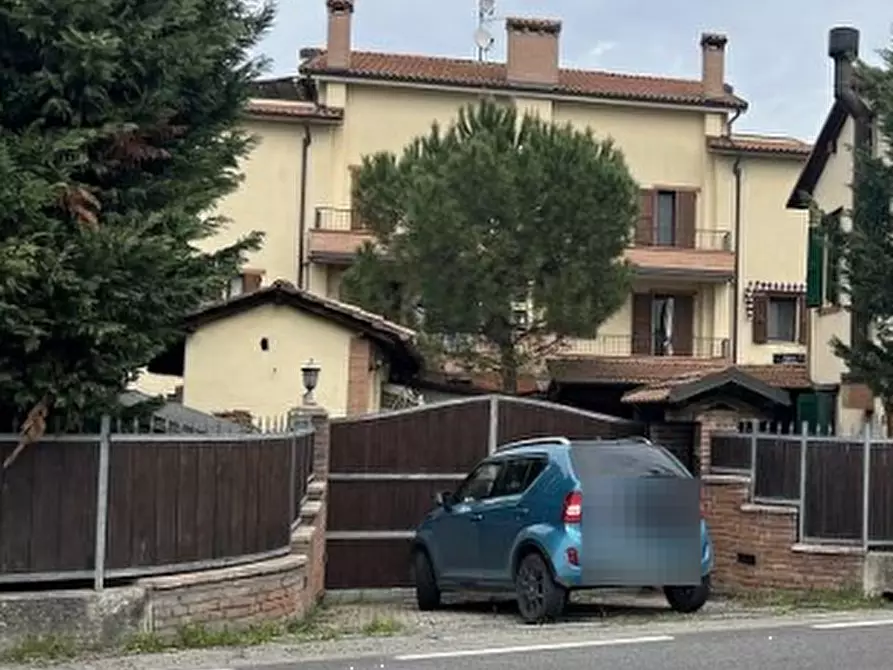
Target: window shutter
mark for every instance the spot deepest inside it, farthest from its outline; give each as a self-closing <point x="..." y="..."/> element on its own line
<point x="641" y="326"/>
<point x="683" y="325"/>
<point x="356" y="223"/>
<point x="832" y="278"/>
<point x="645" y="225"/>
<point x="686" y="218"/>
<point x="815" y="261"/>
<point x="803" y="317"/>
<point x="760" y="318"/>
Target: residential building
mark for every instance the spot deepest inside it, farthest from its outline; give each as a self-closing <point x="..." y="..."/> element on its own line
<point x="245" y="355"/>
<point x="825" y="181"/>
<point x="719" y="268"/>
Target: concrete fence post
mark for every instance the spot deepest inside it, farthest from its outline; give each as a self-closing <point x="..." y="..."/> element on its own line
<point x="754" y="435"/>
<point x="493" y="431"/>
<point x="866" y="485"/>
<point x="804" y="447"/>
<point x="102" y="502"/>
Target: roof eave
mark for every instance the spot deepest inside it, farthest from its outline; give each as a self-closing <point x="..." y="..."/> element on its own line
<point x="801" y="194"/>
<point x="735" y="103"/>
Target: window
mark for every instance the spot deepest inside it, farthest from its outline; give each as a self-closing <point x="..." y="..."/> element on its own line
<point x="236" y="287"/>
<point x="517" y="476"/>
<point x="665" y="219"/>
<point x="479" y="484"/>
<point x="781" y="323"/>
<point x="247" y="282"/>
<point x="661" y="324"/>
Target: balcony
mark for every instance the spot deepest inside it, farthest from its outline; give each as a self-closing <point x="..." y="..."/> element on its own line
<point x="630" y="346"/>
<point x="706" y="256"/>
<point x="335" y="236"/>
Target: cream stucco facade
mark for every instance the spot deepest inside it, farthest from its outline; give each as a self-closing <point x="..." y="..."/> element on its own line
<point x="678" y="139"/>
<point x="225" y="367"/>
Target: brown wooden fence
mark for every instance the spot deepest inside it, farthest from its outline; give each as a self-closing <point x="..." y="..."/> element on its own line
<point x="385" y="470"/>
<point x="166" y="503"/>
<point x="825" y="477"/>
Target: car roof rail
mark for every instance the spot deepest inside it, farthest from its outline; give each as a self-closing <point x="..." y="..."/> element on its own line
<point x="533" y="441"/>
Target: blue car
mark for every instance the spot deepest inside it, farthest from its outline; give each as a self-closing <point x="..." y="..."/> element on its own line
<point x="515" y="525"/>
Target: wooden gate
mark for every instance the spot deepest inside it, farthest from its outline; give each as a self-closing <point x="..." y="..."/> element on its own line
<point x="386" y="468"/>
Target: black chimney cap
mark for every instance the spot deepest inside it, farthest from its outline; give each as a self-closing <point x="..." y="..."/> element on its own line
<point x="843" y="43"/>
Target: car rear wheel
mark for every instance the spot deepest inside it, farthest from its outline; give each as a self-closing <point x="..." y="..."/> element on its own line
<point x="688" y="599"/>
<point x="540" y="599"/>
<point x="427" y="592"/>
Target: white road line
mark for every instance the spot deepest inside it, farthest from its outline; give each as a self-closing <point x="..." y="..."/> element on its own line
<point x="840" y="625"/>
<point x="492" y="651"/>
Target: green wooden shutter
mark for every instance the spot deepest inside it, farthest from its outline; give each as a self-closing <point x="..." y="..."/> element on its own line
<point x="807" y="410"/>
<point x="814" y="264"/>
<point x="832" y="280"/>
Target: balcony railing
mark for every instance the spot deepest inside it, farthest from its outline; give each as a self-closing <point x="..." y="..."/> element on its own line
<point x="629" y="345"/>
<point x="341" y="219"/>
<point x="704" y="240"/>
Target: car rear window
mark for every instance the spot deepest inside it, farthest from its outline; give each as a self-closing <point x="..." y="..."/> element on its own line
<point x="624" y="459"/>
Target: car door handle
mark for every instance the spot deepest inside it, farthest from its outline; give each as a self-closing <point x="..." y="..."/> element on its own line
<point x="521" y="512"/>
<point x="477" y="516"/>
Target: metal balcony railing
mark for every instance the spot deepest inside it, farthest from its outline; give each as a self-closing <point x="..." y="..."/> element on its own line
<point x="630" y="345"/>
<point x="341" y="219"/>
<point x="704" y="240"/>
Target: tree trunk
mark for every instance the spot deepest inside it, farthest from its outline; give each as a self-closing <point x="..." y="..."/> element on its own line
<point x="508" y="368"/>
<point x="888" y="416"/>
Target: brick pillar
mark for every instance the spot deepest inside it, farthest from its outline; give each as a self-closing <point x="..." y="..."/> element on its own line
<point x="714" y="421"/>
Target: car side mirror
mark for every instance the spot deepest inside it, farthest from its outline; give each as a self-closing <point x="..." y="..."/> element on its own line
<point x="444" y="499"/>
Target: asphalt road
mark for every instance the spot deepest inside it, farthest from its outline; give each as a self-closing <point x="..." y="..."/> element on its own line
<point x="865" y="643"/>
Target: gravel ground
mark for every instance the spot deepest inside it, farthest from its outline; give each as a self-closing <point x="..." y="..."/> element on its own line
<point x="392" y="624"/>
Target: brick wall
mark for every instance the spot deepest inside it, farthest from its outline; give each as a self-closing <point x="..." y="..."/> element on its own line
<point x="767" y="534"/>
<point x="359" y="376"/>
<point x="235" y="597"/>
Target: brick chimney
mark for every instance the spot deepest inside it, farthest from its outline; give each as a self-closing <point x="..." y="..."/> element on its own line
<point x="338" y="44"/>
<point x="713" y="64"/>
<point x="532" y="51"/>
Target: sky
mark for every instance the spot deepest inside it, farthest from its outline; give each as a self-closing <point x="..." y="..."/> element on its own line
<point x="776" y="57"/>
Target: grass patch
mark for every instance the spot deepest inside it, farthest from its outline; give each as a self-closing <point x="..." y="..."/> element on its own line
<point x="850" y="598"/>
<point x="42" y="648"/>
<point x="382" y="627"/>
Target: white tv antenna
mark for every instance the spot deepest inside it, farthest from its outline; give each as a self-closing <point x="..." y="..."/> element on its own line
<point x="483" y="39"/>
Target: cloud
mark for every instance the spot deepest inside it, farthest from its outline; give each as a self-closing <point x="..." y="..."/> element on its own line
<point x="598" y="50"/>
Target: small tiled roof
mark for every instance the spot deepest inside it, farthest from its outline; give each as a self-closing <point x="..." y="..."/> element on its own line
<point x="758" y="378"/>
<point x="761" y="144"/>
<point x="470" y="73"/>
<point x="293" y="109"/>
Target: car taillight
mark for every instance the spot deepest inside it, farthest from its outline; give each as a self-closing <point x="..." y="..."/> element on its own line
<point x="573" y="507"/>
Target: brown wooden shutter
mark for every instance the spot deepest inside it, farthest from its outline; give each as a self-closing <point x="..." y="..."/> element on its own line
<point x="803" y="316"/>
<point x="683" y="325"/>
<point x="356" y="223"/>
<point x="686" y="217"/>
<point x="645" y="225"/>
<point x="251" y="281"/>
<point x="641" y="342"/>
<point x="760" y="318"/>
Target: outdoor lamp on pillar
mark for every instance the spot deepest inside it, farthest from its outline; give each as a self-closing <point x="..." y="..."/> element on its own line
<point x="310" y="377"/>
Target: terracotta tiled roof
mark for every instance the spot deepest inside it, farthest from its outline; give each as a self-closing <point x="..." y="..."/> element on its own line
<point x="651" y="370"/>
<point x="660" y="391"/>
<point x="470" y="73"/>
<point x="763" y="144"/>
<point x="625" y="370"/>
<point x="293" y="109"/>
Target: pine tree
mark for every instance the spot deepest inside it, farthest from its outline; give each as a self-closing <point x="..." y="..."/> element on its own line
<point x="865" y="249"/>
<point x="497" y="237"/>
<point x="119" y="131"/>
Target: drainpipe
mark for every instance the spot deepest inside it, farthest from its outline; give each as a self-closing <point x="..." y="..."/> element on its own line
<point x="302" y="203"/>
<point x="843" y="49"/>
<point x="736" y="279"/>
